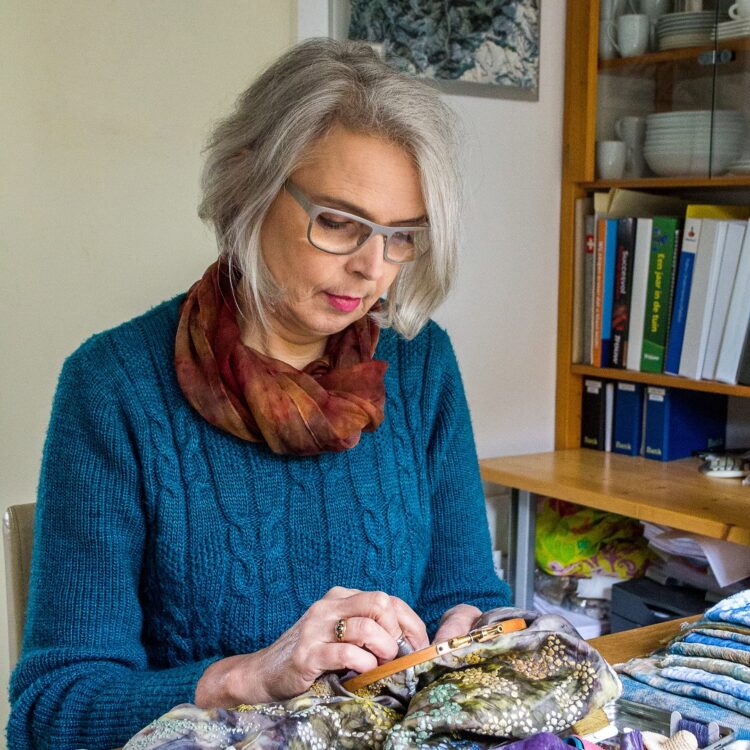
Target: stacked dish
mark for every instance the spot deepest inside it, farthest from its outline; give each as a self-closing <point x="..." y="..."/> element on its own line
<point x="693" y="143"/>
<point x="733" y="29"/>
<point x="675" y="30"/>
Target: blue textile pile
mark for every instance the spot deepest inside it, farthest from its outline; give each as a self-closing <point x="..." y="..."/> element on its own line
<point x="704" y="671"/>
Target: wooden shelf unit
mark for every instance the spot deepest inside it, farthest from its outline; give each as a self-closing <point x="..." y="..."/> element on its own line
<point x="672" y="493"/>
<point x="579" y="134"/>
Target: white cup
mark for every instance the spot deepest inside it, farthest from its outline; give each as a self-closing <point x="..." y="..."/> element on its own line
<point x="607" y="49"/>
<point x="611" y="8"/>
<point x="632" y="34"/>
<point x="610" y="159"/>
<point x="632" y="132"/>
<point x="654" y="9"/>
<point x="741" y="9"/>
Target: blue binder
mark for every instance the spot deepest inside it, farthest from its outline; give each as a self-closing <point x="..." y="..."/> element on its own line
<point x="680" y="422"/>
<point x="628" y="419"/>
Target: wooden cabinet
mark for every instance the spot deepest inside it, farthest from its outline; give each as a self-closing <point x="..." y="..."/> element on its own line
<point x="672" y="493"/>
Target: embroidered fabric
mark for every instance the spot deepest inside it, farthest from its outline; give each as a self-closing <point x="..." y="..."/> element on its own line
<point x="542" y="679"/>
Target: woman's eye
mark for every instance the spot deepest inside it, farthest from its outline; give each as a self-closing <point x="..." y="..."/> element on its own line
<point x="332" y="221"/>
<point x="403" y="238"/>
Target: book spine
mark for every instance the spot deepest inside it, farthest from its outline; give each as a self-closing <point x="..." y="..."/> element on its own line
<point x="622" y="289"/>
<point x="743" y="370"/>
<point x="596" y="333"/>
<point x="589" y="264"/>
<point x="661" y="265"/>
<point x="608" y="292"/>
<point x="638" y="292"/>
<point x="593" y="414"/>
<point x="727" y="274"/>
<point x="628" y="419"/>
<point x="682" y="295"/>
<point x="656" y="423"/>
<point x="700" y="306"/>
<point x="738" y="319"/>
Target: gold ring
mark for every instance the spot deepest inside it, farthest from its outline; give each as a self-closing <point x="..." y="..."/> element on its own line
<point x="340" y="629"/>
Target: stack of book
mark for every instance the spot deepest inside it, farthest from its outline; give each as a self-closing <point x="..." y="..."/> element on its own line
<point x="659" y="423"/>
<point x="661" y="286"/>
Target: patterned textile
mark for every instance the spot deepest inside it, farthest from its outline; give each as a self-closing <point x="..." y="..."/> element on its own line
<point x="542" y="679"/>
<point x="734" y="609"/>
<point x="324" y="407"/>
<point x="708" y="660"/>
<point x="692" y="708"/>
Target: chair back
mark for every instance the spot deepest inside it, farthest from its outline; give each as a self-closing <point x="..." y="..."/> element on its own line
<point x="18" y="539"/>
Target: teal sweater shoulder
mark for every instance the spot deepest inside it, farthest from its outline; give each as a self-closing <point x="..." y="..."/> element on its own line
<point x="163" y="544"/>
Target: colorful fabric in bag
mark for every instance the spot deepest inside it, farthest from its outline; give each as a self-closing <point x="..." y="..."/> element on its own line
<point x="542" y="679"/>
<point x="575" y="541"/>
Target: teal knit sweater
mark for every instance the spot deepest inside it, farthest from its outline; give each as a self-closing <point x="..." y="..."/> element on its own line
<point x="163" y="544"/>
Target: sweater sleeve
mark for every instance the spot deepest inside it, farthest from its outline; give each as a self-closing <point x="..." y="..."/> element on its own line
<point x="84" y="680"/>
<point x="460" y="568"/>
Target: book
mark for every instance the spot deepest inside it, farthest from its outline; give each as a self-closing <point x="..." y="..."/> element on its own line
<point x="743" y="370"/>
<point x="622" y="288"/>
<point x="606" y="258"/>
<point x="664" y="239"/>
<point x="702" y="293"/>
<point x="730" y="259"/>
<point x="609" y="415"/>
<point x="589" y="262"/>
<point x="580" y="346"/>
<point x="738" y="320"/>
<point x="638" y="290"/>
<point x="628" y="419"/>
<point x="680" y="422"/>
<point x="694" y="216"/>
<point x="593" y="414"/>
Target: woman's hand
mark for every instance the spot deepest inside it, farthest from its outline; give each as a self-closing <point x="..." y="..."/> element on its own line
<point x="374" y="621"/>
<point x="457" y="620"/>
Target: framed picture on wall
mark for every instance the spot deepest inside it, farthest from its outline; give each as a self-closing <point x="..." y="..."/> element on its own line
<point x="469" y="47"/>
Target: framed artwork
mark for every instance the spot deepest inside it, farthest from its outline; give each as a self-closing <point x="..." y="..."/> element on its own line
<point x="469" y="47"/>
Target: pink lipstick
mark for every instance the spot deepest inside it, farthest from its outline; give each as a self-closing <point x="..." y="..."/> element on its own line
<point x="344" y="304"/>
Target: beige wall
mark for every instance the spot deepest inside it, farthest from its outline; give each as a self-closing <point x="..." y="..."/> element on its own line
<point x="105" y="107"/>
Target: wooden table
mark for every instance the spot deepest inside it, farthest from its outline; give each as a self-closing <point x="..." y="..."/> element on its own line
<point x="619" y="647"/>
<point x="671" y="493"/>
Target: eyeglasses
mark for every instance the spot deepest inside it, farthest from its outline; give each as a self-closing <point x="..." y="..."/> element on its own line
<point x="342" y="233"/>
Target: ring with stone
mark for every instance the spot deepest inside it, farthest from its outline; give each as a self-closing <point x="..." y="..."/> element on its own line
<point x="340" y="629"/>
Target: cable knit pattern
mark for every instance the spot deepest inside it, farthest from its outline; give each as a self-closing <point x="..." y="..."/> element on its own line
<point x="163" y="544"/>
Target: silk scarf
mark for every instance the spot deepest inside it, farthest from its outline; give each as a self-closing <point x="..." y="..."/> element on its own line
<point x="323" y="407"/>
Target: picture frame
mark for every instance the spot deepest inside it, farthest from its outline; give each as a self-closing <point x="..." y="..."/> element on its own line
<point x="468" y="47"/>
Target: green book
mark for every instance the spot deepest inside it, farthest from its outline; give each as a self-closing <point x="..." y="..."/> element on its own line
<point x="661" y="274"/>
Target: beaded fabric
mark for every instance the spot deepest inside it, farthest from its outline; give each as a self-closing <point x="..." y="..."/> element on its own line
<point x="542" y="679"/>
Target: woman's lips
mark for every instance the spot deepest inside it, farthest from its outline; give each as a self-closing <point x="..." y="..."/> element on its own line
<point x="344" y="304"/>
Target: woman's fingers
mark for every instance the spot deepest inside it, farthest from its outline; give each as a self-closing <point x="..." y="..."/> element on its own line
<point x="457" y="621"/>
<point x="412" y="627"/>
<point x="369" y="635"/>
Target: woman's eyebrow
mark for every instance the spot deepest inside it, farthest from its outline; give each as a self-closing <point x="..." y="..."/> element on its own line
<point x="332" y="202"/>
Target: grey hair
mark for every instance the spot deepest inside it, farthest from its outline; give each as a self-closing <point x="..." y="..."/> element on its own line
<point x="312" y="87"/>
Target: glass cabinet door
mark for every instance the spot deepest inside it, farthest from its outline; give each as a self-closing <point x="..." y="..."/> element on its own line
<point x="667" y="106"/>
<point x="732" y="89"/>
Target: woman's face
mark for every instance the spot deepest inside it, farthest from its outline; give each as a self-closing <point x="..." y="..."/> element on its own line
<point x="323" y="293"/>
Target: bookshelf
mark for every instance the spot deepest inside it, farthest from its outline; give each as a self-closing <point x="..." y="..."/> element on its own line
<point x="671" y="493"/>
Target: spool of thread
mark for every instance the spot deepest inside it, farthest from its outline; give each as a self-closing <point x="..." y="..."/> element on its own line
<point x="706" y="734"/>
<point x="633" y="740"/>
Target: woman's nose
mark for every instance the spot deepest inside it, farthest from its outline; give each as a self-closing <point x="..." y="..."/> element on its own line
<point x="369" y="261"/>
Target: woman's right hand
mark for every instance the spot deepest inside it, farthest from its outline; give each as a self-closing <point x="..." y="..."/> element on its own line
<point x="374" y="622"/>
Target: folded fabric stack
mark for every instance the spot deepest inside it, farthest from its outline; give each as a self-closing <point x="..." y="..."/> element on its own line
<point x="704" y="671"/>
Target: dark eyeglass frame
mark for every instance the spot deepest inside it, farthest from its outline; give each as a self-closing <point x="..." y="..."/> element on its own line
<point x="314" y="210"/>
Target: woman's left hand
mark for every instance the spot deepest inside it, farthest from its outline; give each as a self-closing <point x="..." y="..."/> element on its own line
<point x="456" y="621"/>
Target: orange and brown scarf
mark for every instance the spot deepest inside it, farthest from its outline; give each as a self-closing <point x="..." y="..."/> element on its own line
<point x="324" y="407"/>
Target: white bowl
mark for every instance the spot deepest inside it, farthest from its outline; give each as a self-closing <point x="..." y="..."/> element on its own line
<point x="674" y="165"/>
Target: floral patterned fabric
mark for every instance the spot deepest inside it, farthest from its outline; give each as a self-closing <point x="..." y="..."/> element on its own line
<point x="542" y="679"/>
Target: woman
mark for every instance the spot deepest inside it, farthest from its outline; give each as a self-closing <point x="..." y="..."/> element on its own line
<point x="273" y="476"/>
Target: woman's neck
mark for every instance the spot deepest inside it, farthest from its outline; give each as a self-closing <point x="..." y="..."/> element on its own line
<point x="274" y="344"/>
